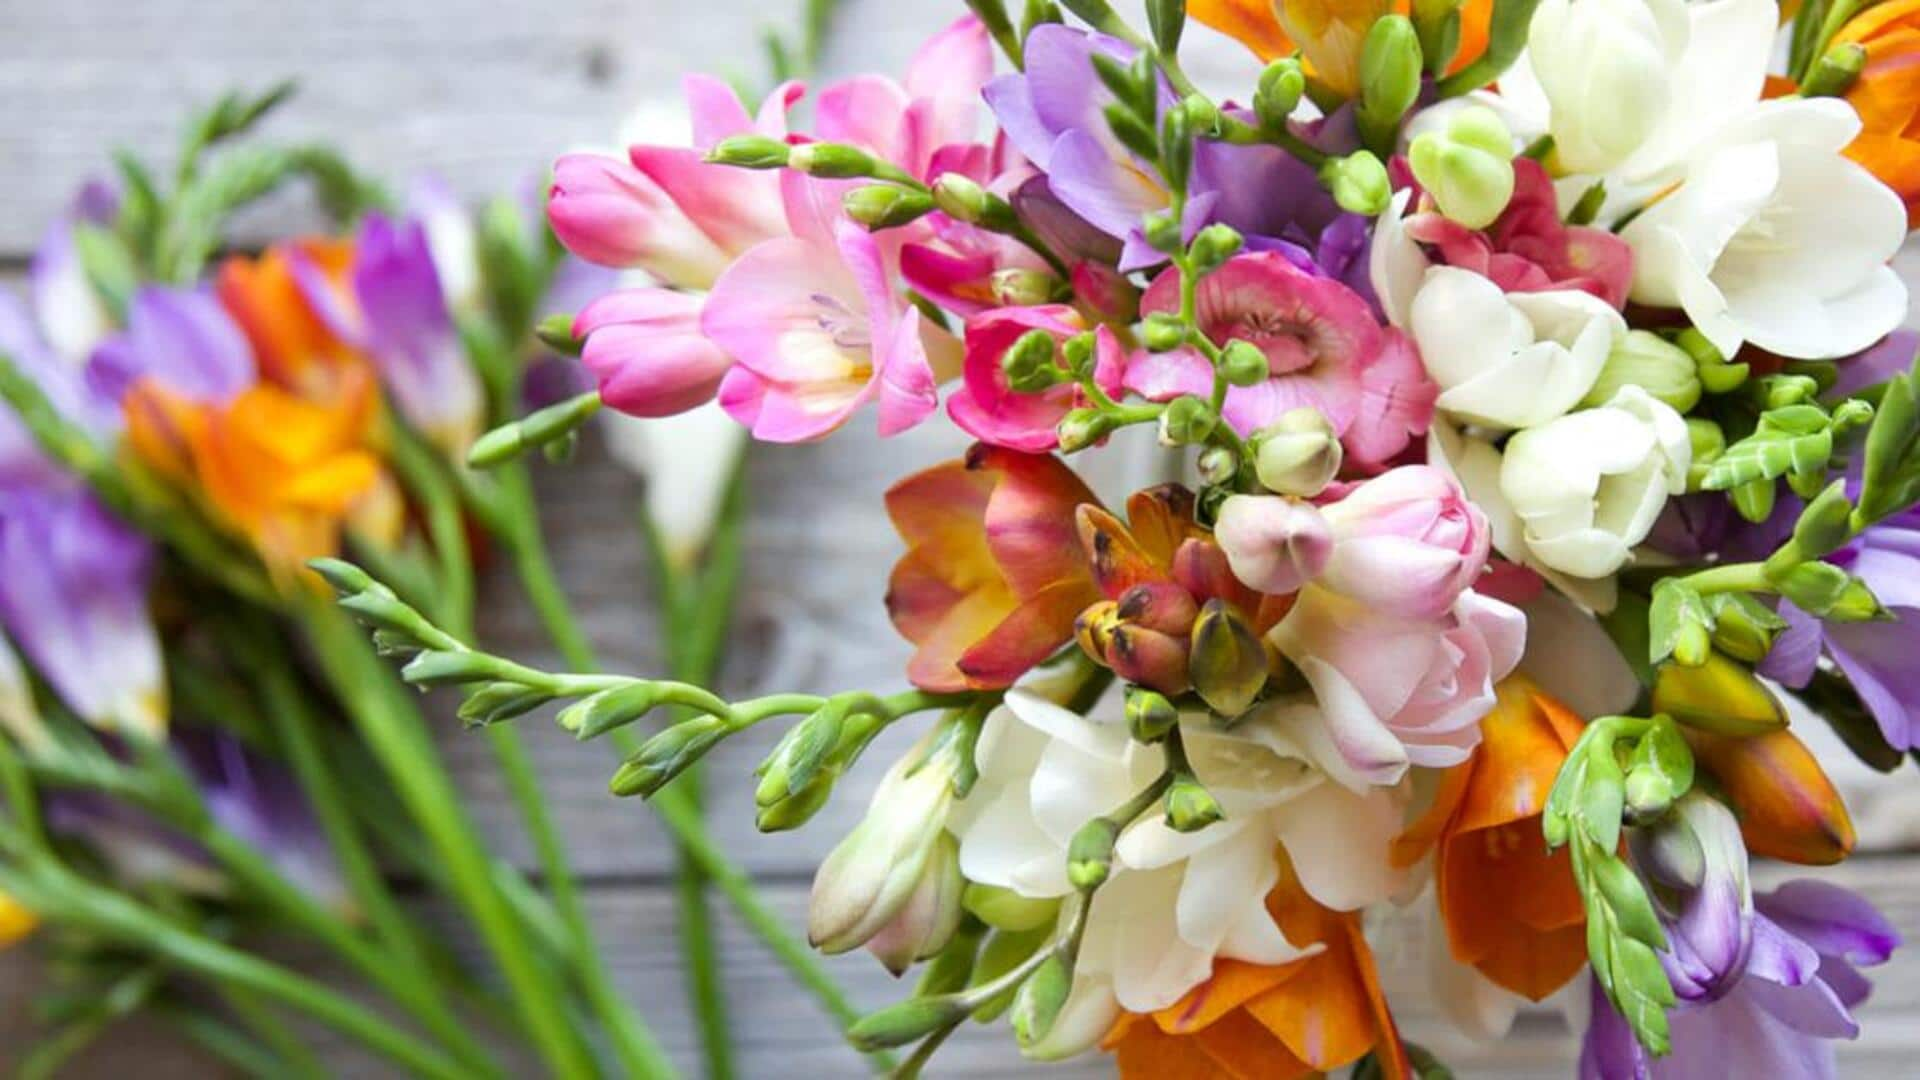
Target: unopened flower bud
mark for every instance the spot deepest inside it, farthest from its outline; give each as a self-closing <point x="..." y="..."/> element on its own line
<point x="1743" y="627"/>
<point x="1705" y="439"/>
<point x="1202" y="113"/>
<point x="750" y="152"/>
<point x="1028" y="363"/>
<point x="1149" y="714"/>
<point x="1243" y="363"/>
<point x="1082" y="428"/>
<point x="1273" y="544"/>
<point x="1710" y="364"/>
<point x="795" y="808"/>
<point x="1215" y="245"/>
<point x="1080" y="352"/>
<point x="1037" y="1005"/>
<point x="931" y="914"/>
<point x="1218" y="465"/>
<point x="1190" y="806"/>
<point x="1278" y="93"/>
<point x="907" y="1022"/>
<point x="1814" y="587"/>
<point x="1228" y="662"/>
<point x="1164" y="332"/>
<point x="961" y="198"/>
<point x="1856" y="603"/>
<point x="869" y="878"/>
<point x="665" y="756"/>
<point x="1187" y="420"/>
<point x="1150" y="657"/>
<point x="1004" y="909"/>
<point x="1389" y="79"/>
<point x="1437" y="22"/>
<point x="1824" y="525"/>
<point x="1090" y="854"/>
<point x="556" y="333"/>
<point x="1647" y="360"/>
<point x="1467" y="169"/>
<point x="1299" y="454"/>
<point x="1649" y="794"/>
<point x="1836" y="71"/>
<point x="1162" y="230"/>
<point x="886" y="206"/>
<point x="1719" y="695"/>
<point x="1358" y="182"/>
<point x="1019" y="287"/>
<point x="832" y="161"/>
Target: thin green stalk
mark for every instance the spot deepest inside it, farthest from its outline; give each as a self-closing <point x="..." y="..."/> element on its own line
<point x="235" y="1048"/>
<point x="390" y="726"/>
<point x="289" y="1056"/>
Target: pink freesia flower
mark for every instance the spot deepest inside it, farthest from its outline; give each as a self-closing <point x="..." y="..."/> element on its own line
<point x="1273" y="544"/>
<point x="909" y="123"/>
<point x="667" y="211"/>
<point x="645" y="349"/>
<point x="989" y="410"/>
<point x="1324" y="350"/>
<point x="1407" y="542"/>
<point x="816" y="331"/>
<point x="1393" y="691"/>
<point x="1529" y="248"/>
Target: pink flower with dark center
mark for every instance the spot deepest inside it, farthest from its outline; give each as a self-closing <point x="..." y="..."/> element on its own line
<point x="991" y="411"/>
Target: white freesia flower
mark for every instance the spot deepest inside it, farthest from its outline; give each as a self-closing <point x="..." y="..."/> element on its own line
<point x="1775" y="238"/>
<point x="1174" y="901"/>
<point x="1509" y="360"/>
<point x="1607" y="70"/>
<point x="1588" y="486"/>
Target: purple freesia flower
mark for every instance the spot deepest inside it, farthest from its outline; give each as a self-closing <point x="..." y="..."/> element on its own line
<point x="1764" y="983"/>
<point x="67" y="309"/>
<point x="73" y="596"/>
<point x="180" y="338"/>
<point x="21" y="461"/>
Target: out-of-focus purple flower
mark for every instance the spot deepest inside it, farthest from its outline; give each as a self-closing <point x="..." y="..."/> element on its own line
<point x="1877" y="657"/>
<point x="1893" y="356"/>
<point x="180" y="338"/>
<point x="392" y="307"/>
<point x="68" y="310"/>
<point x="251" y="797"/>
<point x="21" y="461"/>
<point x="73" y="596"/>
<point x="1764" y="983"/>
<point x="451" y="238"/>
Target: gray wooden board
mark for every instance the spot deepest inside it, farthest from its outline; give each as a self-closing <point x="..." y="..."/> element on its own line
<point x="484" y="94"/>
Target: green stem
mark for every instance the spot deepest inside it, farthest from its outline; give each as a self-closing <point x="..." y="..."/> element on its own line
<point x="295" y="1058"/>
<point x="390" y="726"/>
<point x="1737" y="577"/>
<point x="236" y="1049"/>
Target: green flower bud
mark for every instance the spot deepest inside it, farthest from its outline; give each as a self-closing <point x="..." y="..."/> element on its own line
<point x="1706" y="439"/>
<point x="1814" y="587"/>
<point x="1090" y="854"/>
<point x="667" y="755"/>
<point x="1028" y="363"/>
<point x="795" y="808"/>
<point x="1856" y="603"/>
<point x="1202" y="113"/>
<point x="1297" y="455"/>
<point x="1836" y="72"/>
<point x="1163" y="232"/>
<point x="1438" y="24"/>
<point x="1244" y="364"/>
<point x="1038" y="1003"/>
<point x="1468" y="169"/>
<point x="1218" y="465"/>
<point x="1078" y="352"/>
<point x="1278" y="94"/>
<point x="1149" y="714"/>
<point x="597" y="714"/>
<point x="1358" y="182"/>
<point x="1716" y="375"/>
<point x="498" y="702"/>
<point x="1082" y="428"/>
<point x="1389" y="80"/>
<point x="1649" y="361"/>
<point x="1004" y="909"/>
<point x="556" y="333"/>
<point x="1215" y="245"/>
<point x="1227" y="662"/>
<point x="832" y="161"/>
<point x="1743" y="627"/>
<point x="750" y="152"/>
<point x="1824" y="525"/>
<point x="1187" y="420"/>
<point x="1019" y="287"/>
<point x="436" y="668"/>
<point x="909" y="1021"/>
<point x="886" y="206"/>
<point x="961" y="198"/>
<point x="1190" y="806"/>
<point x="1649" y="794"/>
<point x="1164" y="332"/>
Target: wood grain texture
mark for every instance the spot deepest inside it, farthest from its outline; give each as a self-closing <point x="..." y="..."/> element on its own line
<point x="484" y="94"/>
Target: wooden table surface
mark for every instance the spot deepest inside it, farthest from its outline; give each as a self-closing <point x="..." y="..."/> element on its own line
<point x="484" y="94"/>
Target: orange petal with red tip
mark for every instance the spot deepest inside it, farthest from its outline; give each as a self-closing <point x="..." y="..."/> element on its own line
<point x="1161" y="519"/>
<point x="1118" y="561"/>
<point x="1025" y="636"/>
<point x="1523" y="741"/>
<point x="1787" y="807"/>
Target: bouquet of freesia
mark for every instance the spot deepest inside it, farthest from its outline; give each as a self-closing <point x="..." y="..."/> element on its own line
<point x="1548" y="430"/>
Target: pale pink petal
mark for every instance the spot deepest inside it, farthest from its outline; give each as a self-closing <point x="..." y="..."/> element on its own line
<point x="715" y="110"/>
<point x="736" y="208"/>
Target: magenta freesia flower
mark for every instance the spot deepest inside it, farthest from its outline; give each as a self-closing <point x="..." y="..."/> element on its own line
<point x="646" y="350"/>
<point x="991" y="411"/>
<point x="816" y="330"/>
<point x="1325" y="350"/>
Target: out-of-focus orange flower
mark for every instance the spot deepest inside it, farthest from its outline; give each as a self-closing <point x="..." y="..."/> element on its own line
<point x="993" y="574"/>
<point x="1258" y="1022"/>
<point x="292" y="344"/>
<point x="1329" y="32"/>
<point x="283" y="471"/>
<point x="1787" y="807"/>
<point x="1887" y="96"/>
<point x="16" y="922"/>
<point x="1511" y="909"/>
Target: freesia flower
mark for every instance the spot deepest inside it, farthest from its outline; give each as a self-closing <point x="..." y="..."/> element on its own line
<point x="1510" y="908"/>
<point x="70" y="314"/>
<point x="1788" y="808"/>
<point x="1324" y="350"/>
<point x="1509" y="359"/>
<point x="293" y="347"/>
<point x="1174" y="902"/>
<point x="1775" y="238"/>
<point x="65" y="386"/>
<point x="179" y="338"/>
<point x="1273" y="544"/>
<point x="1588" y="486"/>
<point x="993" y="576"/>
<point x="1302" y="1018"/>
<point x="1765" y="982"/>
<point x="1258" y="24"/>
<point x="1876" y="657"/>
<point x="1607" y="68"/>
<point x="1393" y="691"/>
<point x="990" y="410"/>
<point x="1406" y="542"/>
<point x="73" y="596"/>
<point x="923" y="120"/>
<point x="1887" y="97"/>
<point x="388" y="303"/>
<point x="645" y="349"/>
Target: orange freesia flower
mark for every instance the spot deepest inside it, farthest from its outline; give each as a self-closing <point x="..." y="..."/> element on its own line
<point x="1787" y="807"/>
<point x="1887" y="96"/>
<point x="1329" y="32"/>
<point x="1278" y="1022"/>
<point x="281" y="470"/>
<point x="16" y="922"/>
<point x="293" y="346"/>
<point x="1511" y="909"/>
<point x="993" y="574"/>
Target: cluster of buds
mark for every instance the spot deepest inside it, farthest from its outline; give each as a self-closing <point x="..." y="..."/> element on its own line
<point x="1174" y="618"/>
